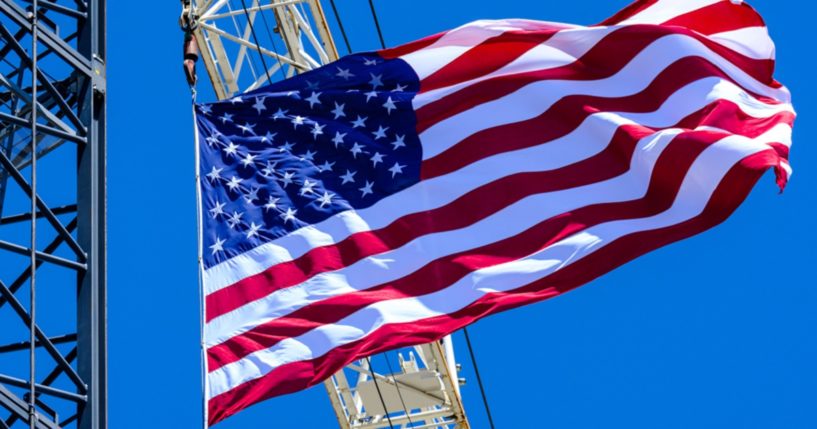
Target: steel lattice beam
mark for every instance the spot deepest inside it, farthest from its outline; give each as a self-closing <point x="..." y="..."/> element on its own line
<point x="67" y="93"/>
<point x="297" y="39"/>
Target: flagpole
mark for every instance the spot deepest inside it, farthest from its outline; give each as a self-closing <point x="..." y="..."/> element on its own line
<point x="200" y="257"/>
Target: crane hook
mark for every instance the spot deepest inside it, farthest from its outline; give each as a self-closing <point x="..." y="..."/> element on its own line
<point x="188" y="21"/>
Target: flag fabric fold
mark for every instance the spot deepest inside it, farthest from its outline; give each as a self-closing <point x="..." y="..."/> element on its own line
<point x="393" y="197"/>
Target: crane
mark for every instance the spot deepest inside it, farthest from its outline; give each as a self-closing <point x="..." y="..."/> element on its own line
<point x="245" y="44"/>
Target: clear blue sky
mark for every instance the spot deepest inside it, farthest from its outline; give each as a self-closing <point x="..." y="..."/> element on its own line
<point x="719" y="331"/>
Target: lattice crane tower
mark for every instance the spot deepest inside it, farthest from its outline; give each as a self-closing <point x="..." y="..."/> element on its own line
<point x="245" y="44"/>
<point x="53" y="354"/>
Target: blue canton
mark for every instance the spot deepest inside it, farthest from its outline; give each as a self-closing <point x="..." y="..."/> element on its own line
<point x="296" y="152"/>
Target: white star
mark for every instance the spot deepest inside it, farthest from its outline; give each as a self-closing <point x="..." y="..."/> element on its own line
<point x="226" y="118"/>
<point x="218" y="209"/>
<point x="234" y="183"/>
<point x="369" y="95"/>
<point x="348" y="177"/>
<point x="356" y="149"/>
<point x="253" y="231"/>
<point x="269" y="170"/>
<point x="400" y="88"/>
<point x="235" y="100"/>
<point x="287" y="180"/>
<point x="313" y="99"/>
<point x="325" y="199"/>
<point x="398" y="141"/>
<point x="317" y="130"/>
<point x="234" y="219"/>
<point x="376" y="158"/>
<point x="311" y="85"/>
<point x="289" y="215"/>
<point x="389" y="105"/>
<point x="269" y="137"/>
<point x="359" y="122"/>
<point x="396" y="169"/>
<point x="205" y="109"/>
<point x="286" y="147"/>
<point x="249" y="159"/>
<point x="338" y="139"/>
<point x="344" y="73"/>
<point x="370" y="62"/>
<point x="326" y="166"/>
<point x="215" y="174"/>
<point x="251" y="196"/>
<point x="218" y="246"/>
<point x="231" y="149"/>
<point x="212" y="140"/>
<point x="307" y="187"/>
<point x="380" y="133"/>
<point x="259" y="104"/>
<point x="297" y="120"/>
<point x="247" y="128"/>
<point x="272" y="203"/>
<point x="367" y="189"/>
<point x="308" y="156"/>
<point x="338" y="111"/>
<point x="376" y="80"/>
<point x="280" y="114"/>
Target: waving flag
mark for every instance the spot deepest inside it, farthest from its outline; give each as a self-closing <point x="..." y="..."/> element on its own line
<point x="391" y="198"/>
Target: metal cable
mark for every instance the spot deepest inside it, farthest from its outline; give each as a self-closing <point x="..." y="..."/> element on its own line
<point x="377" y="24"/>
<point x="255" y="37"/>
<point x="379" y="393"/>
<point x="274" y="47"/>
<point x="340" y="25"/>
<point x="32" y="400"/>
<point x="479" y="378"/>
<point x="397" y="386"/>
<point x="240" y="33"/>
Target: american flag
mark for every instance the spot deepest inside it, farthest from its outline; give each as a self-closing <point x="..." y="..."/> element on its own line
<point x="391" y="198"/>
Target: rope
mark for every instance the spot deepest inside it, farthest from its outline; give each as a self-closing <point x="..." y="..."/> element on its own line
<point x="479" y="378"/>
<point x="377" y="24"/>
<point x="255" y="38"/>
<point x="397" y="386"/>
<point x="340" y="25"/>
<point x="379" y="393"/>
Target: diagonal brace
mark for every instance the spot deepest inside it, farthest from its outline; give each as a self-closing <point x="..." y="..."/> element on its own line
<point x="26" y="345"/>
<point x="44" y="129"/>
<point x="42" y="338"/>
<point x="52" y="247"/>
<point x="19" y="408"/>
<point x="393" y="381"/>
<point x="27" y="98"/>
<point x="47" y="390"/>
<point x="47" y="257"/>
<point x="52" y="218"/>
<point x="47" y="381"/>
<point x="21" y="52"/>
<point x="49" y="38"/>
<point x="25" y="217"/>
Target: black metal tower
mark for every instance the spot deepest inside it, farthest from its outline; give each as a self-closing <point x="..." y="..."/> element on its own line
<point x="53" y="355"/>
